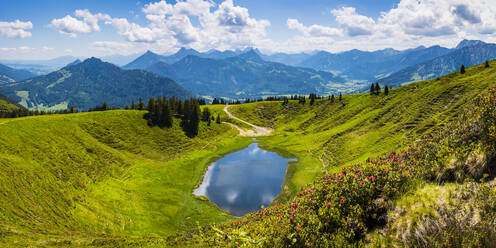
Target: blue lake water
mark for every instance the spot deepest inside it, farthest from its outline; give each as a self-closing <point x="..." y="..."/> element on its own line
<point x="243" y="181"/>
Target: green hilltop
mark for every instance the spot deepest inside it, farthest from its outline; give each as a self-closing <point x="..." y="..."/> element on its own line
<point x="108" y="179"/>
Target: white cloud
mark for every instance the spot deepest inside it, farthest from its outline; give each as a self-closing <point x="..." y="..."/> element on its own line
<point x="411" y="23"/>
<point x="314" y="30"/>
<point x="352" y="23"/>
<point x="204" y="25"/>
<point x="223" y="26"/>
<point x="88" y="23"/>
<point x="15" y="29"/>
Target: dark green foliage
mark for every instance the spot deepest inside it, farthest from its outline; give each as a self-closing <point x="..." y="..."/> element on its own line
<point x="285" y="101"/>
<point x="377" y="88"/>
<point x="332" y="98"/>
<point x="386" y="90"/>
<point x="486" y="65"/>
<point x="312" y="97"/>
<point x="161" y="112"/>
<point x="141" y="104"/>
<point x="340" y="97"/>
<point x="372" y="89"/>
<point x="205" y="114"/>
<point x="218" y="121"/>
<point x="462" y="69"/>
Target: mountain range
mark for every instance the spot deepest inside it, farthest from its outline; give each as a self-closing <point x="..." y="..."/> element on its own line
<point x="246" y="75"/>
<point x="90" y="83"/>
<point x="467" y="55"/>
<point x="9" y="75"/>
<point x="149" y="58"/>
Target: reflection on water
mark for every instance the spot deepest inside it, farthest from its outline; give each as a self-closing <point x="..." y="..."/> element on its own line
<point x="243" y="181"/>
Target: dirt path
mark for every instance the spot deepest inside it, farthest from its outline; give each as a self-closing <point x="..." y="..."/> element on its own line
<point x="258" y="131"/>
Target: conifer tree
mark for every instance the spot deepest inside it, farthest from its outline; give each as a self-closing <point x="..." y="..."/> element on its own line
<point x="377" y="88"/>
<point x="73" y="110"/>
<point x="126" y="107"/>
<point x="218" y="119"/>
<point x="312" y="98"/>
<point x="332" y="98"/>
<point x="133" y="105"/>
<point x="209" y="121"/>
<point x="205" y="114"/>
<point x="105" y="106"/>
<point x="141" y="104"/>
<point x="462" y="69"/>
<point x="372" y="89"/>
<point x="151" y="104"/>
<point x="486" y="65"/>
<point x="386" y="90"/>
<point x="340" y="96"/>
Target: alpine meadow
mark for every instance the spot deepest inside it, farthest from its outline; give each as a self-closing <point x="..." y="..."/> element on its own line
<point x="233" y="123"/>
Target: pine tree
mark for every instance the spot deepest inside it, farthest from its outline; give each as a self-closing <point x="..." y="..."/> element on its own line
<point x="312" y="98"/>
<point x="462" y="69"/>
<point x="194" y="119"/>
<point x="332" y="98"/>
<point x="340" y="96"/>
<point x="377" y="88"/>
<point x="127" y="107"/>
<point x="209" y="121"/>
<point x="386" y="90"/>
<point x="151" y="104"/>
<point x="285" y="101"/>
<point x="372" y="89"/>
<point x="133" y="105"/>
<point x="141" y="104"/>
<point x="218" y="119"/>
<point x="486" y="65"/>
<point x="105" y="106"/>
<point x="205" y="114"/>
<point x="73" y="110"/>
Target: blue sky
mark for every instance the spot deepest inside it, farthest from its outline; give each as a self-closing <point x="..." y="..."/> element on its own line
<point x="37" y="29"/>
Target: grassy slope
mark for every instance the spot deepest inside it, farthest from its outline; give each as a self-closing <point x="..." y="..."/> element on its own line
<point x="6" y="104"/>
<point x="330" y="135"/>
<point x="104" y="172"/>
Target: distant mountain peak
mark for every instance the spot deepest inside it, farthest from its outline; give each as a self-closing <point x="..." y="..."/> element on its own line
<point x="92" y="60"/>
<point x="75" y="62"/>
<point x="467" y="43"/>
<point x="148" y="52"/>
<point x="251" y="55"/>
<point x="188" y="51"/>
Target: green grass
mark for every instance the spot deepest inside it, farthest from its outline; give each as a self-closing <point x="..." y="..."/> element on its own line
<point x="99" y="173"/>
<point x="107" y="175"/>
<point x="328" y="135"/>
<point x="7" y="104"/>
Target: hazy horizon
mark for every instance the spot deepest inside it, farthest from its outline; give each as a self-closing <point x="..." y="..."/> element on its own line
<point x="96" y="28"/>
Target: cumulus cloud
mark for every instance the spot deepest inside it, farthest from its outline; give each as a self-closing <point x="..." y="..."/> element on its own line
<point x="314" y="30"/>
<point x="87" y="23"/>
<point x="411" y="23"/>
<point x="16" y="29"/>
<point x="352" y="23"/>
<point x="223" y="26"/>
<point x="170" y="25"/>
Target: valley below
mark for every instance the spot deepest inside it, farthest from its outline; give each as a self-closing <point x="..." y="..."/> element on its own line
<point x="107" y="178"/>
